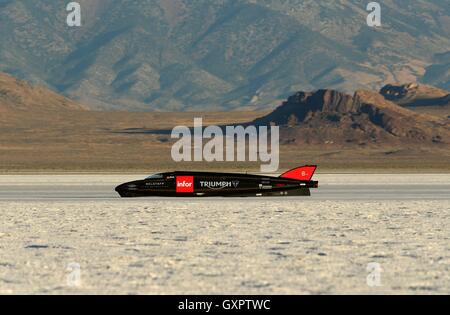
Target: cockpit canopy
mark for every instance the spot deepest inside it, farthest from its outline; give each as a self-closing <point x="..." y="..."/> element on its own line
<point x="156" y="176"/>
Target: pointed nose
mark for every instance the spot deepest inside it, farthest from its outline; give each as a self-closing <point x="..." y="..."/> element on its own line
<point x="123" y="190"/>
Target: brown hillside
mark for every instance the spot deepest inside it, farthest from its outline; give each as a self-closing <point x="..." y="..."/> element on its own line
<point x="16" y="95"/>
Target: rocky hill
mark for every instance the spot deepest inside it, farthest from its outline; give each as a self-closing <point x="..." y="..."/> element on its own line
<point x="416" y="95"/>
<point x="220" y="55"/>
<point x="365" y="119"/>
<point x="419" y="97"/>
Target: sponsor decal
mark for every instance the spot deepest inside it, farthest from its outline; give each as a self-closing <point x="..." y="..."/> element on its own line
<point x="216" y="185"/>
<point x="185" y="184"/>
<point x="155" y="183"/>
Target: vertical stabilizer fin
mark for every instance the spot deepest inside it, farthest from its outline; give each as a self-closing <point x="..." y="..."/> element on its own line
<point x="304" y="173"/>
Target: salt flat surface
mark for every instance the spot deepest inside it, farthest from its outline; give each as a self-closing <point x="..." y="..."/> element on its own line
<point x="315" y="245"/>
<point x="332" y="187"/>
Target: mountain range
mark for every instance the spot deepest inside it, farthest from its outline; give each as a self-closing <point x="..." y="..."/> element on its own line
<point x="173" y="55"/>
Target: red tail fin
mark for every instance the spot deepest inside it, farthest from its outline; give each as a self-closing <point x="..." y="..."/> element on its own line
<point x="301" y="173"/>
